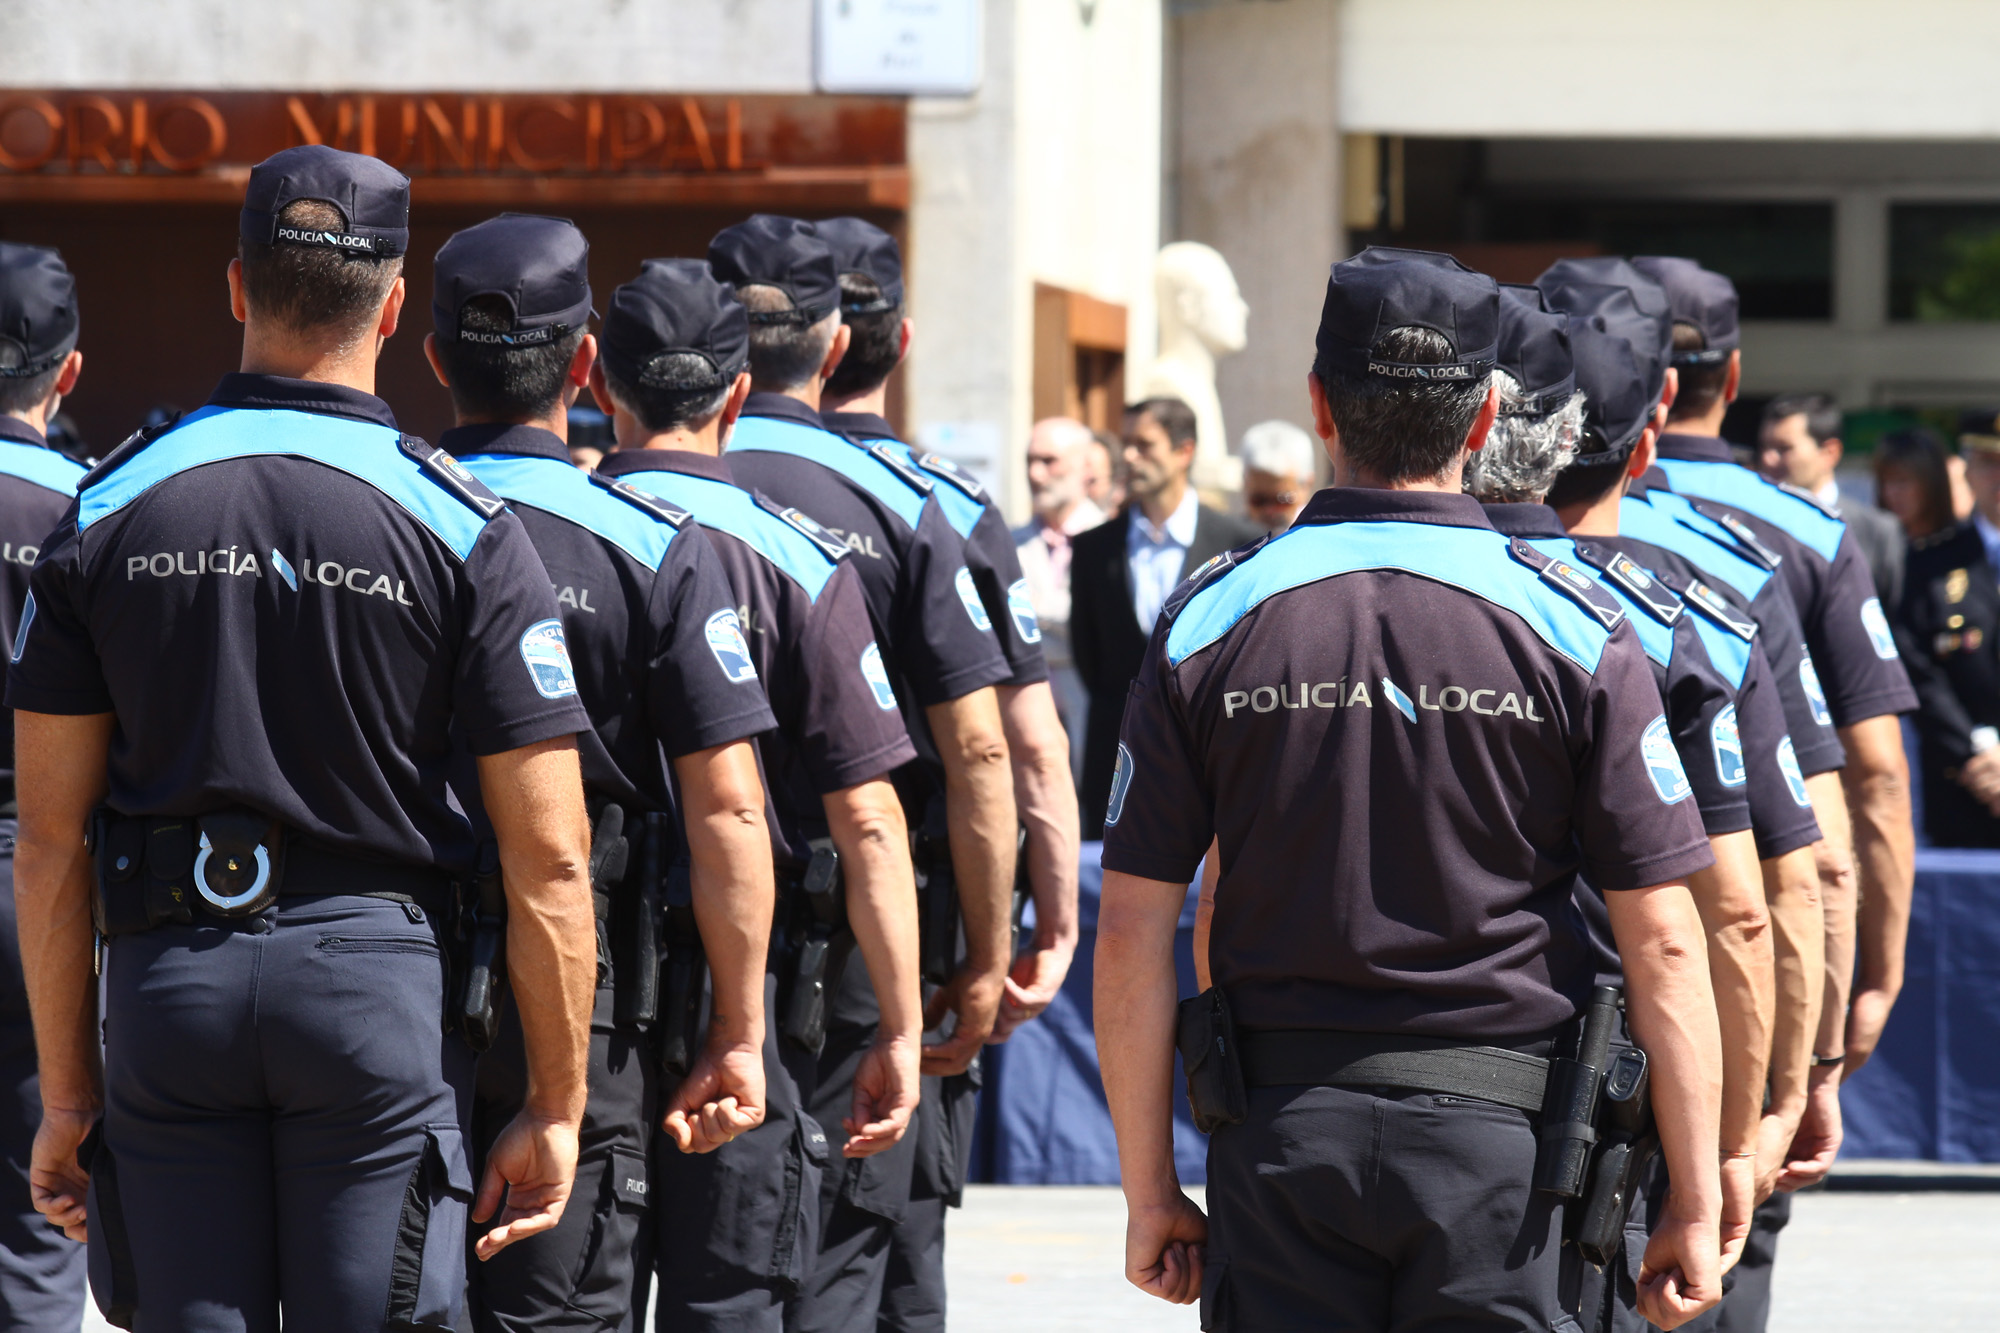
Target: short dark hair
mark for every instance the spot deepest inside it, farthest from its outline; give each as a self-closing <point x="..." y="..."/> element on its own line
<point x="504" y="383"/>
<point x="1171" y="415"/>
<point x="677" y="392"/>
<point x="25" y="393"/>
<point x="313" y="288"/>
<point x="875" y="346"/>
<point x="784" y="356"/>
<point x="1403" y="430"/>
<point x="1823" y="419"/>
<point x="1702" y="385"/>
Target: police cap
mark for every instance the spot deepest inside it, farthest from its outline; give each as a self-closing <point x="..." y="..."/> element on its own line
<point x="676" y="308"/>
<point x="1569" y="285"/>
<point x="1535" y="351"/>
<point x="373" y="199"/>
<point x="38" y="320"/>
<point x="864" y="248"/>
<point x="1700" y="298"/>
<point x="539" y="266"/>
<point x="1980" y="431"/>
<point x="1383" y="288"/>
<point x="1617" y="310"/>
<point x="766" y="250"/>
<point x="1617" y="405"/>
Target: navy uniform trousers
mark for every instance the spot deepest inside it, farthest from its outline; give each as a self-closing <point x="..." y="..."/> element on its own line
<point x="284" y="1124"/>
<point x="41" y="1270"/>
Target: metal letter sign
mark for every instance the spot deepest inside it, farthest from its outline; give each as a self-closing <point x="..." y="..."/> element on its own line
<point x="915" y="47"/>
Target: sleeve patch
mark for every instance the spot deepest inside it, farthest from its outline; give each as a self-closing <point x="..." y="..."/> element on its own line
<point x="1726" y="740"/>
<point x="1876" y="623"/>
<point x="724" y="633"/>
<point x="1121" y="785"/>
<point x="1663" y="763"/>
<point x="1022" y="608"/>
<point x="877" y="676"/>
<point x="968" y="594"/>
<point x="547" y="656"/>
<point x="27" y="620"/>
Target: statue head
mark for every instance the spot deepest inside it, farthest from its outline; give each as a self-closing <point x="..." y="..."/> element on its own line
<point x="1197" y="294"/>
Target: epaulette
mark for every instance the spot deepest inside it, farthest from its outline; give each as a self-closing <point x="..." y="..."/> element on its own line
<point x="1717" y="608"/>
<point x="952" y="473"/>
<point x="125" y="452"/>
<point x="1641" y="587"/>
<point x="1801" y="493"/>
<point x="1208" y="572"/>
<point x="638" y="499"/>
<point x="834" y="548"/>
<point x="448" y="472"/>
<point x="1572" y="582"/>
<point x="887" y="458"/>
<point x="1741" y="531"/>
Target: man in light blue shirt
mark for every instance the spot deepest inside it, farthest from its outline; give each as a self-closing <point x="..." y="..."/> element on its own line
<point x="1156" y="552"/>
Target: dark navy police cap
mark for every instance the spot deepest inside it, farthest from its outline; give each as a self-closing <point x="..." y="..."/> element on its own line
<point x="540" y="266"/>
<point x="372" y="196"/>
<point x="1383" y="288"/>
<point x="1701" y="299"/>
<point x="1569" y="285"/>
<point x="1980" y="431"/>
<point x="1535" y="351"/>
<point x="38" y="320"/>
<point x="675" y="307"/>
<point x="1617" y="403"/>
<point x="864" y="248"/>
<point x="766" y="250"/>
<point x="1616" y="310"/>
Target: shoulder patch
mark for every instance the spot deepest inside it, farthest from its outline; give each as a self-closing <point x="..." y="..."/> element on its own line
<point x="1572" y="582"/>
<point x="1718" y="609"/>
<point x="638" y="499"/>
<point x="887" y="458"/>
<point x="1208" y="572"/>
<point x="952" y="473"/>
<point x="1800" y="493"/>
<point x="805" y="525"/>
<point x="449" y="473"/>
<point x="124" y="453"/>
<point x="1640" y="586"/>
<point x="1741" y="531"/>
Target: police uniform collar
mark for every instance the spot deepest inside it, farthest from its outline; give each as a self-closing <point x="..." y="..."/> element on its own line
<point x="1519" y="520"/>
<point x="504" y="437"/>
<point x="239" y="389"/>
<point x="783" y="407"/>
<point x="1356" y="504"/>
<point x="859" y="425"/>
<point x="1695" y="448"/>
<point x="684" y="461"/>
<point x="20" y="432"/>
<point x="1652" y="479"/>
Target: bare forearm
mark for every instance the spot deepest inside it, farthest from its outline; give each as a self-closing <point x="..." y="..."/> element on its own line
<point x="1878" y="801"/>
<point x="873" y="839"/>
<point x="1838" y="893"/>
<point x="1798" y="946"/>
<point x="1045" y="795"/>
<point x="1204" y="914"/>
<point x="979" y="809"/>
<point x="1134" y="1003"/>
<point x="1730" y="898"/>
<point x="1671" y="1009"/>
<point x="735" y="893"/>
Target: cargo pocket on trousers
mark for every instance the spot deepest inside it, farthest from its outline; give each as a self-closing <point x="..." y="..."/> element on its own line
<point x="602" y="1285"/>
<point x="798" y="1218"/>
<point x="114" y="1281"/>
<point x="427" y="1269"/>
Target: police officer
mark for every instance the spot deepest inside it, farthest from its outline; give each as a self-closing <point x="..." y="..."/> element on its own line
<point x="937" y="640"/>
<point x="41" y="1274"/>
<point x="668" y="766"/>
<point x="246" y="645"/>
<point x="871" y="294"/>
<point x="742" y="1229"/>
<point x="1409" y="735"/>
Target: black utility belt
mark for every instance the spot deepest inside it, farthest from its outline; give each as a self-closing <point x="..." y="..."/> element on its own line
<point x="1314" y="1058"/>
<point x="157" y="870"/>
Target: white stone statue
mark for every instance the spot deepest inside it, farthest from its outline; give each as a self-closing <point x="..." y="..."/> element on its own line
<point x="1202" y="317"/>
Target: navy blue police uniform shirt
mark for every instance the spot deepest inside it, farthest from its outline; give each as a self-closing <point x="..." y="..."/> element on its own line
<point x="932" y="627"/>
<point x="798" y="596"/>
<point x="1823" y="566"/>
<point x="1409" y="735"/>
<point x="290" y="605"/>
<point x="990" y="556"/>
<point x="663" y="665"/>
<point x="36" y="485"/>
<point x="1744" y="580"/>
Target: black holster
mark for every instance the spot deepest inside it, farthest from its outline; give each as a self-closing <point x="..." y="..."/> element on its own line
<point x="1627" y="1142"/>
<point x="686" y="974"/>
<point x="485" y="914"/>
<point x="818" y="902"/>
<point x="937" y="894"/>
<point x="1570" y="1105"/>
<point x="636" y="921"/>
<point x="1206" y="1036"/>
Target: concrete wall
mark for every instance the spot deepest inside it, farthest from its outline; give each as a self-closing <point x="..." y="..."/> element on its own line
<point x="1257" y="161"/>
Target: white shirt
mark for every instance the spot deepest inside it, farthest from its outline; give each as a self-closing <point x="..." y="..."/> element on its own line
<point x="1154" y="556"/>
<point x="1045" y="561"/>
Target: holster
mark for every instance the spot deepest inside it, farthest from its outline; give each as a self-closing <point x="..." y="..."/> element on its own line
<point x="485" y="952"/>
<point x="636" y="921"/>
<point x="1206" y="1036"/>
<point x="1627" y="1141"/>
<point x="686" y="972"/>
<point x="1570" y="1104"/>
<point x="818" y="898"/>
<point x="937" y="894"/>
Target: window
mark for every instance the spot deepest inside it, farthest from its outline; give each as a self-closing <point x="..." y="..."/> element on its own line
<point x="1944" y="262"/>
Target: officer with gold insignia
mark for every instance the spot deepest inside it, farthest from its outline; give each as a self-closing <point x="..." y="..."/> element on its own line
<point x="1951" y="620"/>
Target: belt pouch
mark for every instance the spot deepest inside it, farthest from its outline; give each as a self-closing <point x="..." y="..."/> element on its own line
<point x="1206" y="1035"/>
<point x="169" y="859"/>
<point x="120" y="906"/>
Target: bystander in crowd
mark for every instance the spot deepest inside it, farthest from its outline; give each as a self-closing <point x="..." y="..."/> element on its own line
<point x="1280" y="473"/>
<point x="1062" y="455"/>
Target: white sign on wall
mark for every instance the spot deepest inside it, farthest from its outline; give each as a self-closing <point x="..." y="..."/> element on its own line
<point x="916" y="47"/>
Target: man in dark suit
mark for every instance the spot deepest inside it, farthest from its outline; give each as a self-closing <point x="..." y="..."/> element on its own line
<point x="1951" y="620"/>
<point x="1121" y="573"/>
<point x="1799" y="446"/>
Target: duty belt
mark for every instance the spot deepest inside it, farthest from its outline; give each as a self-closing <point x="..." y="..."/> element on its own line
<point x="1313" y="1058"/>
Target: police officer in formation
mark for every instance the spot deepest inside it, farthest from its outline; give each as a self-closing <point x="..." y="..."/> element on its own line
<point x="41" y="1274"/>
<point x="249" y="645"/>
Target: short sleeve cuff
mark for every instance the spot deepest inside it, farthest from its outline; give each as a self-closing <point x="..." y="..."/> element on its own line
<point x="1876" y="703"/>
<point x="711" y="732"/>
<point x="948" y="685"/>
<point x="1165" y="867"/>
<point x="568" y="720"/>
<point x="851" y="772"/>
<point x="1820" y="756"/>
<point x="62" y="703"/>
<point x="1664" y="869"/>
<point x="1788" y="839"/>
<point x="1725" y="817"/>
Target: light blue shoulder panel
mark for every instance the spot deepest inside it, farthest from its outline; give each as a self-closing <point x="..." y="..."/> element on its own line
<point x="1742" y="489"/>
<point x="1668" y="520"/>
<point x="366" y="452"/>
<point x="560" y="489"/>
<point x="1465" y="558"/>
<point x="731" y="509"/>
<point x="831" y="451"/>
<point x="44" y="467"/>
<point x="960" y="510"/>
<point x="1657" y="639"/>
<point x="1727" y="650"/>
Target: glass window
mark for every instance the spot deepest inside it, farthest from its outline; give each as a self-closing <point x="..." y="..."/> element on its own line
<point x="1944" y="262"/>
